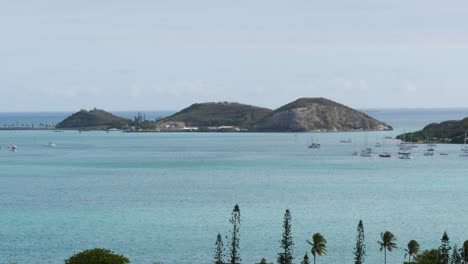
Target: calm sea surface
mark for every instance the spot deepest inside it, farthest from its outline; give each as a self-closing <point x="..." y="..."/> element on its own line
<point x="165" y="196"/>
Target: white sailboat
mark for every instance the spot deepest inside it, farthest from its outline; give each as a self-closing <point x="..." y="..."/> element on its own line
<point x="366" y="151"/>
<point x="464" y="149"/>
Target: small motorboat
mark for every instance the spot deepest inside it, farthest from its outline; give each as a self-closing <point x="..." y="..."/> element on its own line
<point x="346" y="140"/>
<point x="51" y="145"/>
<point x="385" y="155"/>
<point x="443" y="153"/>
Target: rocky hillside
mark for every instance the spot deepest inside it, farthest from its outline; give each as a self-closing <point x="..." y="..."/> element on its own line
<point x="218" y="114"/>
<point x="93" y="119"/>
<point x="449" y="132"/>
<point x="318" y="114"/>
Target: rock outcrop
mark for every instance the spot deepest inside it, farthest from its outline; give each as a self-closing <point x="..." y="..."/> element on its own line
<point x="318" y="114"/>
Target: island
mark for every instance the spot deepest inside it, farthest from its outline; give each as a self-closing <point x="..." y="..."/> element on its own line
<point x="95" y="119"/>
<point x="301" y="115"/>
<point x="452" y="131"/>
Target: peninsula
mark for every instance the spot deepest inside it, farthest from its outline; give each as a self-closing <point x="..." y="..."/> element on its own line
<point x="452" y="131"/>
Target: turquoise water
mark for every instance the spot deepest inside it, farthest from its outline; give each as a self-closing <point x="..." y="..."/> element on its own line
<point x="165" y="196"/>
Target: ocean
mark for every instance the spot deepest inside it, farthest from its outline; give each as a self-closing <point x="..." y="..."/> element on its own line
<point x="165" y="196"/>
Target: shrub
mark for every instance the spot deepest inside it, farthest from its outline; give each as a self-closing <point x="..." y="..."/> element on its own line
<point x="97" y="256"/>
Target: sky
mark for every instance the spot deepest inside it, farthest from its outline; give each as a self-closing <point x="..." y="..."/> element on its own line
<point x="165" y="55"/>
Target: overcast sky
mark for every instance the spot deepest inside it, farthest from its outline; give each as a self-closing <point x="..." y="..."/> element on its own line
<point x="164" y="55"/>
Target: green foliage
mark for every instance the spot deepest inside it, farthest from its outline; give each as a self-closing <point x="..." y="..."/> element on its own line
<point x="305" y="260"/>
<point x="412" y="249"/>
<point x="427" y="257"/>
<point x="97" y="256"/>
<point x="263" y="261"/>
<point x="387" y="243"/>
<point x="464" y="251"/>
<point x="235" y="236"/>
<point x="218" y="254"/>
<point x="455" y="258"/>
<point x="286" y="242"/>
<point x="95" y="118"/>
<point x="360" y="248"/>
<point x="444" y="249"/>
<point x="218" y="114"/>
<point x="319" y="245"/>
<point x="448" y="131"/>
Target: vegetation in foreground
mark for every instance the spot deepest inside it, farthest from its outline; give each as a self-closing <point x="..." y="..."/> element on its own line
<point x="97" y="256"/>
<point x="230" y="254"/>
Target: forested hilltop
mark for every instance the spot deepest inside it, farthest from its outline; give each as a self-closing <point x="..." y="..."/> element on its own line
<point x="93" y="119"/>
<point x="445" y="132"/>
<point x="219" y="114"/>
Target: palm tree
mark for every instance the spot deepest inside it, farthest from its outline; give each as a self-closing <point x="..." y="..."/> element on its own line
<point x="413" y="249"/>
<point x="387" y="243"/>
<point x="319" y="245"/>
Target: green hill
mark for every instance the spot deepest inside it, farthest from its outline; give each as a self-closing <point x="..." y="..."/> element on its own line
<point x="93" y="119"/>
<point x="452" y="131"/>
<point x="219" y="114"/>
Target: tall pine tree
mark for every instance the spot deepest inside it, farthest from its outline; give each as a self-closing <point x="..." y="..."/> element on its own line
<point x="218" y="254"/>
<point x="286" y="242"/>
<point x="464" y="252"/>
<point x="444" y="249"/>
<point x="305" y="260"/>
<point x="360" y="248"/>
<point x="235" y="236"/>
<point x="456" y="258"/>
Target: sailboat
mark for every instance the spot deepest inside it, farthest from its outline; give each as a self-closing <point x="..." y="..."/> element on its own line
<point x="405" y="150"/>
<point x="406" y="156"/>
<point x="313" y="145"/>
<point x="366" y="151"/>
<point x="464" y="149"/>
<point x="429" y="151"/>
<point x="384" y="154"/>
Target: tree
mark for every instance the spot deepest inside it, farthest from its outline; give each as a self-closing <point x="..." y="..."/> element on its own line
<point x="464" y="251"/>
<point x="319" y="245"/>
<point x="387" y="243"/>
<point x="286" y="242"/>
<point x="444" y="249"/>
<point x="456" y="257"/>
<point x="263" y="261"/>
<point x="427" y="257"/>
<point x="235" y="236"/>
<point x="305" y="260"/>
<point x="97" y="256"/>
<point x="218" y="254"/>
<point x="413" y="249"/>
<point x="360" y="248"/>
